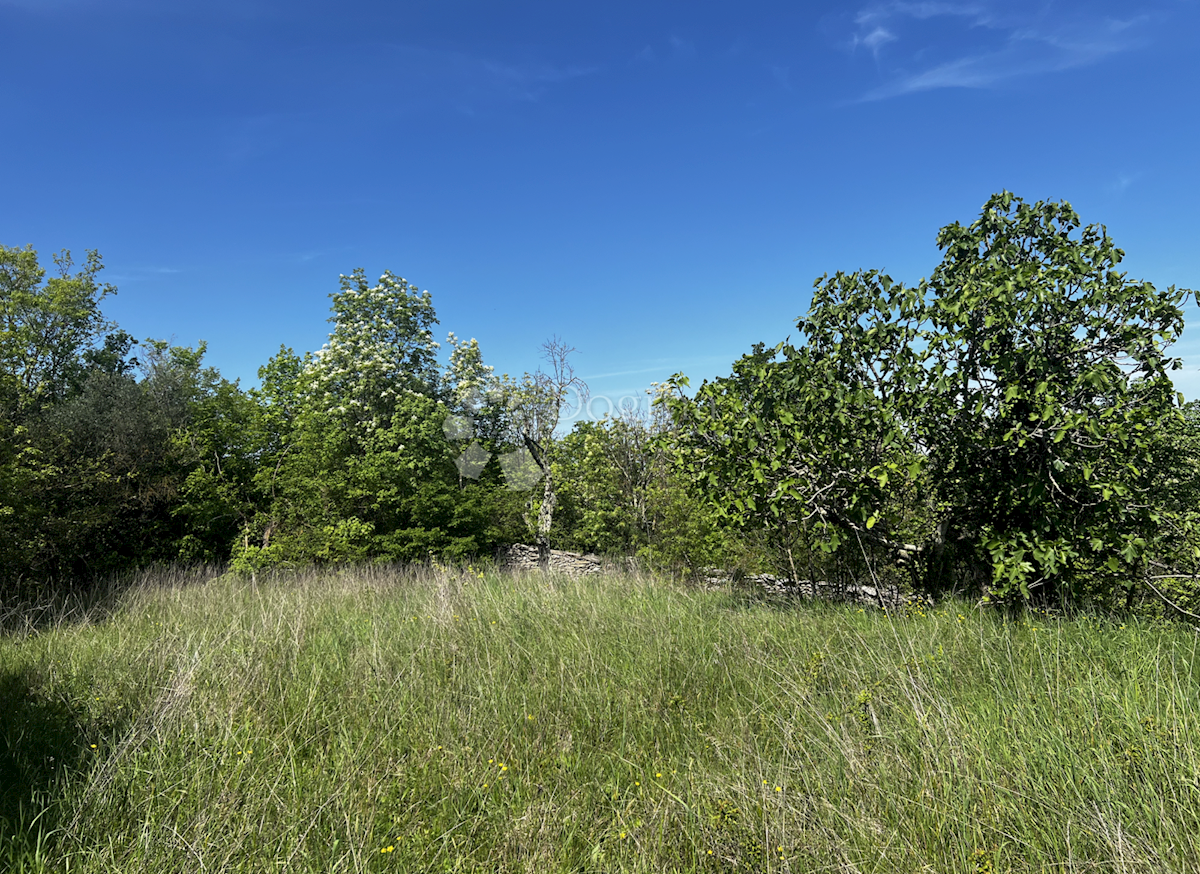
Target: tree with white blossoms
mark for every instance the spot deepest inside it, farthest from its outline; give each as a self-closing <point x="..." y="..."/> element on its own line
<point x="381" y="348"/>
<point x="473" y="393"/>
<point x="358" y="465"/>
<point x="467" y="379"/>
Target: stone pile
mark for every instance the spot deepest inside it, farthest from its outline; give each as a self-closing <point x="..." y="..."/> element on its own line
<point x="520" y="557"/>
<point x="888" y="598"/>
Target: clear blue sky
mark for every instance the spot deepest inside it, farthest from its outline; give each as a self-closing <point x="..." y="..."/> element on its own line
<point x="656" y="183"/>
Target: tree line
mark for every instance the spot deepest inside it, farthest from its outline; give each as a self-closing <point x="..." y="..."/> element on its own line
<point x="117" y="454"/>
<point x="1006" y="427"/>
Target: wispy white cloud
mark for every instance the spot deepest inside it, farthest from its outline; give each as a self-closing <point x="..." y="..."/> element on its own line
<point x="1122" y="182"/>
<point x="471" y="79"/>
<point x="398" y="82"/>
<point x="976" y="45"/>
<point x="875" y="39"/>
<point x="675" y="49"/>
<point x="140" y="274"/>
<point x="625" y="372"/>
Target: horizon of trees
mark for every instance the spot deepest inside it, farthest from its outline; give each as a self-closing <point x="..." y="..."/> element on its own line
<point x="1007" y="427"/>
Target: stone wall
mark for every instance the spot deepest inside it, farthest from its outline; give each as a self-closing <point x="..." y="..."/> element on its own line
<point x="888" y="598"/>
<point x="520" y="557"/>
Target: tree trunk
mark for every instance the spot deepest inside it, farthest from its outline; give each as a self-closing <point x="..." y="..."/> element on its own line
<point x="545" y="518"/>
<point x="549" y="499"/>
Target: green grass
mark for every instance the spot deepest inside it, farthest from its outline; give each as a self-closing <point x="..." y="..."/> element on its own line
<point x="439" y="721"/>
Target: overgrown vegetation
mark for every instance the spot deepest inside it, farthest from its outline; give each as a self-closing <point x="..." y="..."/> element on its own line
<point x="1007" y="428"/>
<point x="451" y="719"/>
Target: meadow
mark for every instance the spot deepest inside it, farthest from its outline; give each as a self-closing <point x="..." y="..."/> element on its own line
<point x="450" y="719"/>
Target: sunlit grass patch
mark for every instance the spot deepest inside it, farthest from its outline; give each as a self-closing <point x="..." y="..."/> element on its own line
<point x="431" y="719"/>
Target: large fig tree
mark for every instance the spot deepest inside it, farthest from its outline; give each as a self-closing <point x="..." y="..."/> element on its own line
<point x="1018" y="391"/>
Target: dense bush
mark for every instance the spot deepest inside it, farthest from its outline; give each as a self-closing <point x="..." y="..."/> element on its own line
<point x="1004" y="425"/>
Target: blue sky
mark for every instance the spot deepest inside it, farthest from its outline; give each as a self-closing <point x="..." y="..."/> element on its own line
<point x="656" y="183"/>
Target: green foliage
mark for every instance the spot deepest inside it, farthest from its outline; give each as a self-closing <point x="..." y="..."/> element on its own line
<point x="1008" y="425"/>
<point x="1003" y="414"/>
<point x="1175" y="468"/>
<point x="222" y="444"/>
<point x="91" y="467"/>
<point x="687" y="534"/>
<point x="1172" y="570"/>
<point x="336" y="496"/>
<point x="1046" y="378"/>
<point x="621" y="494"/>
<point x="469" y="380"/>
<point x="604" y="470"/>
<point x="534" y="405"/>
<point x="380" y="349"/>
<point x="48" y="329"/>
<point x="809" y="444"/>
<point x="352" y="460"/>
<point x="123" y="461"/>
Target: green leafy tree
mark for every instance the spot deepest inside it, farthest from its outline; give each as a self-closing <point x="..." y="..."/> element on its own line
<point x="802" y="444"/>
<point x="86" y="476"/>
<point x="1047" y="377"/>
<point x="108" y="470"/>
<point x="1002" y="414"/>
<point x="596" y="512"/>
<point x="47" y="327"/>
<point x="480" y="421"/>
<point x="220" y="446"/>
<point x="619" y="493"/>
<point x="610" y="472"/>
<point x="381" y="348"/>
<point x="469" y="382"/>
<point x="1172" y="580"/>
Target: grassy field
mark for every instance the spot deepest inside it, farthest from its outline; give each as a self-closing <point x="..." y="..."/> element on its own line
<point x="445" y="720"/>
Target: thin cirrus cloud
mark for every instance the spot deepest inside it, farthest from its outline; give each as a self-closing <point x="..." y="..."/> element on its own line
<point x="874" y="39"/>
<point x="404" y="80"/>
<point x="677" y="50"/>
<point x="914" y="51"/>
<point x="140" y="274"/>
<point x="1123" y="181"/>
<point x="471" y="80"/>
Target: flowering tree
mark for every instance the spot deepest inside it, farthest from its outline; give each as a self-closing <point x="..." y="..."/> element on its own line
<point x="467" y="379"/>
<point x="381" y="348"/>
<point x="355" y="462"/>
